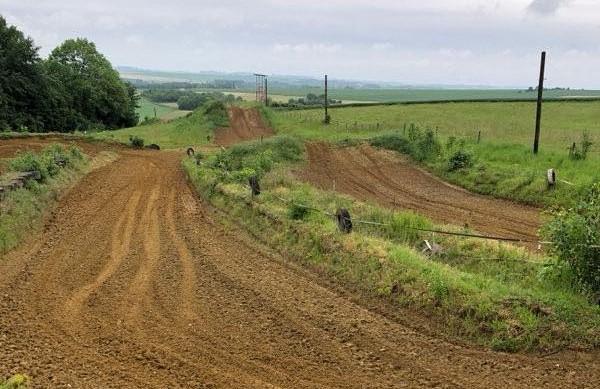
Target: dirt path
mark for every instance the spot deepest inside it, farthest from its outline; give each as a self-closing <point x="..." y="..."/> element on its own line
<point x="245" y="124"/>
<point x="133" y="284"/>
<point x="385" y="177"/>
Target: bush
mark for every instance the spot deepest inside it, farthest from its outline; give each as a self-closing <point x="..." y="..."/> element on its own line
<point x="136" y="142"/>
<point x="216" y="112"/>
<point x="575" y="233"/>
<point x="48" y="162"/>
<point x="460" y="160"/>
<point x="422" y="146"/>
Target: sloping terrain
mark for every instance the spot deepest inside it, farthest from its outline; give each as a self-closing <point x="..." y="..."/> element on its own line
<point x="385" y="177"/>
<point x="134" y="284"/>
<point x="244" y="124"/>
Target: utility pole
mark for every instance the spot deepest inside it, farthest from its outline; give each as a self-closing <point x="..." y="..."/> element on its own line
<point x="266" y="92"/>
<point x="326" y="120"/>
<point x="538" y="116"/>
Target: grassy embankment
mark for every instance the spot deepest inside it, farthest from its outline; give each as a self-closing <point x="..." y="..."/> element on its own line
<point x="22" y="209"/>
<point x="15" y="382"/>
<point x="194" y="129"/>
<point x="503" y="163"/>
<point x="492" y="294"/>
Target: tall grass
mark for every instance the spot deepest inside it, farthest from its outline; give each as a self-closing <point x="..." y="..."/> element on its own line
<point x="21" y="209"/>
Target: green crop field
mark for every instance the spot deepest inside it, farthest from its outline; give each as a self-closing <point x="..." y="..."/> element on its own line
<point x="146" y="109"/>
<point x="402" y="95"/>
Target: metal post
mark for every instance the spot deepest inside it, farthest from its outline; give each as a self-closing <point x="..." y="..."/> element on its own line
<point x="538" y="116"/>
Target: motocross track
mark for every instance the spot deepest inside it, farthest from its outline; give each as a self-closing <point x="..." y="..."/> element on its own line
<point x="389" y="179"/>
<point x="245" y="124"/>
<point x="135" y="284"/>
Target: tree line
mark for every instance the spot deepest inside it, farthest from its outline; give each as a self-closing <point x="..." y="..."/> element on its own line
<point x="75" y="88"/>
<point x="186" y="99"/>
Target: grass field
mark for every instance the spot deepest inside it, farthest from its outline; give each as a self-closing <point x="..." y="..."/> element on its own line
<point x="504" y="165"/>
<point x="193" y="129"/>
<point x="147" y="107"/>
<point x="389" y="95"/>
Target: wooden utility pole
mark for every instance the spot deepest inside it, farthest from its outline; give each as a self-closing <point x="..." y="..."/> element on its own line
<point x="326" y="102"/>
<point x="266" y="92"/>
<point x="538" y="116"/>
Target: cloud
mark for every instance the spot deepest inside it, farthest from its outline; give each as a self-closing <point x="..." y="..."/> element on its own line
<point x="546" y="7"/>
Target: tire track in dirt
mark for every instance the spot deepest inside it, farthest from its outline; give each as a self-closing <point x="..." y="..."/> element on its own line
<point x="195" y="304"/>
<point x="391" y="180"/>
<point x="121" y="239"/>
<point x="244" y="124"/>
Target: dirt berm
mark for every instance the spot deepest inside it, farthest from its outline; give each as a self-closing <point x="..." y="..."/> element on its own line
<point x="244" y="124"/>
<point x="134" y="284"/>
<point x="392" y="180"/>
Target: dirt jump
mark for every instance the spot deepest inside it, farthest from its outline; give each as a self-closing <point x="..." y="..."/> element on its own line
<point x="392" y="180"/>
<point x="135" y="284"/>
<point x="244" y="124"/>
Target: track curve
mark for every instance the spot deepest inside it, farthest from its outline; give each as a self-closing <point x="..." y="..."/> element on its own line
<point x="133" y="284"/>
<point x="392" y="180"/>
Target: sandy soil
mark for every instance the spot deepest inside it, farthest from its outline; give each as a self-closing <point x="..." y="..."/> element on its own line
<point x="389" y="179"/>
<point x="134" y="284"/>
<point x="245" y="124"/>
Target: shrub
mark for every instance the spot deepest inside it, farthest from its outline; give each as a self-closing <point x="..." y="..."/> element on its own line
<point x="48" y="162"/>
<point x="216" y="112"/>
<point x="420" y="145"/>
<point x="136" y="142"/>
<point x="460" y="160"/>
<point x="575" y="233"/>
<point x="580" y="153"/>
<point x="18" y="381"/>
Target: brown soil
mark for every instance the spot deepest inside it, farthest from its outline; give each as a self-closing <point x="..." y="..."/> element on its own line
<point x="12" y="146"/>
<point x="134" y="284"/>
<point x="245" y="124"/>
<point x="389" y="179"/>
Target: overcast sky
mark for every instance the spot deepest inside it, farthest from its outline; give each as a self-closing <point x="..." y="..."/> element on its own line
<point x="480" y="42"/>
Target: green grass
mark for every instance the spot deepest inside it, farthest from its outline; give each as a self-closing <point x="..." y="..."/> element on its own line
<point x="192" y="130"/>
<point x="404" y="94"/>
<point x="496" y="295"/>
<point x="146" y="109"/>
<point x="17" y="381"/>
<point x="504" y="165"/>
<point x="22" y="209"/>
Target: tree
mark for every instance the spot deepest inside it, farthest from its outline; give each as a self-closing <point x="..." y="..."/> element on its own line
<point x="22" y="84"/>
<point x="95" y="95"/>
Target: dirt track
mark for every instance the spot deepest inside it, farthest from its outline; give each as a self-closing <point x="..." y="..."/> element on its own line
<point x="385" y="177"/>
<point x="133" y="284"/>
<point x="245" y="124"/>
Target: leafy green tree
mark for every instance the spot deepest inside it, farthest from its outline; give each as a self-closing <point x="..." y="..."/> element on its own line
<point x="22" y="83"/>
<point x="95" y="95"/>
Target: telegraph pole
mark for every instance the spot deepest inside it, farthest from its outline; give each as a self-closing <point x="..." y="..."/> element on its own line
<point x="266" y="92"/>
<point x="326" y="102"/>
<point x="538" y="116"/>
